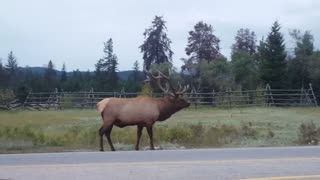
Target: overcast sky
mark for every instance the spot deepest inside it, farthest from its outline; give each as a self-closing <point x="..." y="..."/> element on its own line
<point x="73" y="31"/>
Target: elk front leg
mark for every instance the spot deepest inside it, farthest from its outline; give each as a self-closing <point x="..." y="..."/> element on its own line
<point x="150" y="132"/>
<point x="139" y="133"/>
<point x="108" y="133"/>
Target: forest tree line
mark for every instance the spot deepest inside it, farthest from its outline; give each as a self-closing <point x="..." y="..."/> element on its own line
<point x="252" y="64"/>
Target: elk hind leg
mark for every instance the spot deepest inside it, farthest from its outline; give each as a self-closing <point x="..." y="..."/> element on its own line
<point x="101" y="133"/>
<point x="108" y="133"/>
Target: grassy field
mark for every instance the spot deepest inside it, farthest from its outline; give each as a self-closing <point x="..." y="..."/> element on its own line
<point x="76" y="130"/>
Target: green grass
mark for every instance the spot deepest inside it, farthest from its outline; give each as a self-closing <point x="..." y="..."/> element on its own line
<point x="76" y="130"/>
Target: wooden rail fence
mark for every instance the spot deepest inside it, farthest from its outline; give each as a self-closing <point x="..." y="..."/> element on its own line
<point x="264" y="97"/>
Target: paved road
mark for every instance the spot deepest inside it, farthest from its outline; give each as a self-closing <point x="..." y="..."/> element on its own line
<point x="240" y="163"/>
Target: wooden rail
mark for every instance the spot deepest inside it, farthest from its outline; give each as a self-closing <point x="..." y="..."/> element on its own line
<point x="262" y="97"/>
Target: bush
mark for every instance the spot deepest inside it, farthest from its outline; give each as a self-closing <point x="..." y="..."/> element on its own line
<point x="270" y="134"/>
<point x="309" y="133"/>
<point x="247" y="130"/>
<point x="146" y="90"/>
<point x="6" y="96"/>
<point x="178" y="134"/>
<point x="220" y="135"/>
<point x="66" y="103"/>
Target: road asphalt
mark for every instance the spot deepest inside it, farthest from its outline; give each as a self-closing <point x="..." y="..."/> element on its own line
<point x="234" y="163"/>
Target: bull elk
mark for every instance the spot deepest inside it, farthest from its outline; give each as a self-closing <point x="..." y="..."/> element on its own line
<point x="141" y="111"/>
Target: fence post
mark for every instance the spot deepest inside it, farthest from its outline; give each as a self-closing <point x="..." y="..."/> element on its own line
<point x="213" y="98"/>
<point x="229" y="97"/>
<point x="122" y="92"/>
<point x="313" y="96"/>
<point x="194" y="91"/>
<point x="269" y="93"/>
<point x="302" y="94"/>
<point x="92" y="98"/>
<point x="26" y="100"/>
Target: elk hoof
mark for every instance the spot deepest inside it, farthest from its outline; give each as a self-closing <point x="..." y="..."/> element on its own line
<point x="101" y="150"/>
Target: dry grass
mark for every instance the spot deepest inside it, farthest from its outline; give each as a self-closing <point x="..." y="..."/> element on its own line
<point x="34" y="131"/>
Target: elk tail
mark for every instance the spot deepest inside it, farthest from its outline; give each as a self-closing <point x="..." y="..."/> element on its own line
<point x="102" y="105"/>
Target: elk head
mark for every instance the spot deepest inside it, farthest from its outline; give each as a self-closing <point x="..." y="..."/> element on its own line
<point x="174" y="94"/>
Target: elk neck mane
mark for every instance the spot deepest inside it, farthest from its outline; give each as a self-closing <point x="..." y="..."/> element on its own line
<point x="167" y="107"/>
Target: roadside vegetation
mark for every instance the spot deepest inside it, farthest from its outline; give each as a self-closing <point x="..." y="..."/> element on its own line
<point x="76" y="130"/>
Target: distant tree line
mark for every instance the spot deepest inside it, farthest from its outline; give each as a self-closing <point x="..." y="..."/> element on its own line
<point x="252" y="65"/>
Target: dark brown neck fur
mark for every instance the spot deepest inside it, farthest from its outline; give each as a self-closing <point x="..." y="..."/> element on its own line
<point x="167" y="107"/>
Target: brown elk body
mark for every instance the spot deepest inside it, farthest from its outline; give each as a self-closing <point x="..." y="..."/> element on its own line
<point x="141" y="111"/>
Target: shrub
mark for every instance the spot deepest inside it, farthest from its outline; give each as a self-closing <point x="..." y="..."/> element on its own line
<point x="247" y="130"/>
<point x="6" y="96"/>
<point x="179" y="134"/>
<point x="309" y="133"/>
<point x="146" y="90"/>
<point x="270" y="134"/>
<point x="220" y="135"/>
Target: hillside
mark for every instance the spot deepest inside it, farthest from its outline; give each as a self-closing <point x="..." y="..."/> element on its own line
<point x="123" y="75"/>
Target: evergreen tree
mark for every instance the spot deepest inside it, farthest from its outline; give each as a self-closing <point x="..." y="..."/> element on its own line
<point x="12" y="65"/>
<point x="135" y="79"/>
<point x="274" y="65"/>
<point x="245" y="41"/>
<point x="304" y="43"/>
<point x="2" y="75"/>
<point x="299" y="66"/>
<point x="106" y="69"/>
<point x="111" y="65"/>
<point x="215" y="75"/>
<point x="244" y="70"/>
<point x="203" y="45"/>
<point x="244" y="66"/>
<point x="63" y="74"/>
<point x="136" y="73"/>
<point x="156" y="46"/>
<point x="11" y="70"/>
<point x="261" y="52"/>
<point x="50" y="76"/>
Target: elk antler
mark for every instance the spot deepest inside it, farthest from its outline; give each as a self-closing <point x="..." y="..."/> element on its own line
<point x="169" y="85"/>
<point x="182" y="89"/>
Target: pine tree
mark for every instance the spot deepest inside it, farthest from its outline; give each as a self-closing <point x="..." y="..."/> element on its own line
<point x="245" y="41"/>
<point x="50" y="76"/>
<point x="2" y="74"/>
<point x="12" y="65"/>
<point x="203" y="45"/>
<point x="261" y="52"/>
<point x="63" y="73"/>
<point x="304" y="43"/>
<point x="244" y="66"/>
<point x="111" y="65"/>
<point x="11" y="69"/>
<point x="274" y="65"/>
<point x="106" y="68"/>
<point x="136" y="73"/>
<point x="299" y="66"/>
<point x="135" y="79"/>
<point x="156" y="46"/>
